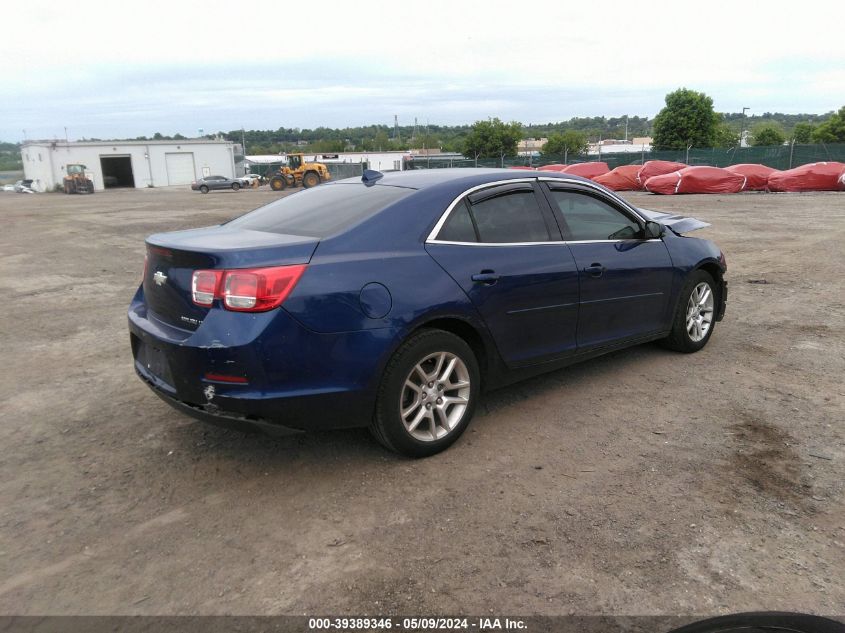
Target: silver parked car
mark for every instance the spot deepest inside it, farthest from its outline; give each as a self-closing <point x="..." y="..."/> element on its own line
<point x="215" y="182"/>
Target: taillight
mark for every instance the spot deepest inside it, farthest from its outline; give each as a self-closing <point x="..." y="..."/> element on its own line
<point x="204" y="286"/>
<point x="259" y="289"/>
<point x="246" y="290"/>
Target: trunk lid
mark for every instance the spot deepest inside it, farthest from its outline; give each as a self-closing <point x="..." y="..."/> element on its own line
<point x="172" y="259"/>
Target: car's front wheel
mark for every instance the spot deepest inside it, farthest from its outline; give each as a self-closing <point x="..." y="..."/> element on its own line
<point x="236" y="186"/>
<point x="695" y="314"/>
<point x="311" y="179"/>
<point x="427" y="394"/>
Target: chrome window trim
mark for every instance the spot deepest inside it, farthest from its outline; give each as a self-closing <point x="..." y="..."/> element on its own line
<point x="556" y="242"/>
<point x="493" y="243"/>
<point x="431" y="239"/>
<point x="461" y="196"/>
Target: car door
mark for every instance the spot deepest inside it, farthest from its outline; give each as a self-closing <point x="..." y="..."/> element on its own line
<point x="625" y="279"/>
<point x="501" y="244"/>
<point x="215" y="182"/>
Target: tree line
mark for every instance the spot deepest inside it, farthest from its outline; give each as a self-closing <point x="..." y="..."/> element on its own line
<point x="687" y="119"/>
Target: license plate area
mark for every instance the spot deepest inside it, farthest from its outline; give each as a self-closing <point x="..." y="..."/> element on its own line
<point x="154" y="361"/>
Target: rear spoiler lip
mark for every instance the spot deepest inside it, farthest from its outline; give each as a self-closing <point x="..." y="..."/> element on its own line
<point x="678" y="223"/>
<point x="237" y="248"/>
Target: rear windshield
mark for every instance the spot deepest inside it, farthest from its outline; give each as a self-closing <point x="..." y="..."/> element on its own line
<point x="321" y="211"/>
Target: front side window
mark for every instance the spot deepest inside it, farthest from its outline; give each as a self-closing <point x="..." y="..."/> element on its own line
<point x="589" y="218"/>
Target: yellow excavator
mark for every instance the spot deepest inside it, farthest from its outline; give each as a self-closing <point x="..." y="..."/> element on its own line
<point x="298" y="172"/>
<point x="76" y="181"/>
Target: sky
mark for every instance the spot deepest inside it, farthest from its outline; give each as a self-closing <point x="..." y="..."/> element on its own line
<point x="119" y="69"/>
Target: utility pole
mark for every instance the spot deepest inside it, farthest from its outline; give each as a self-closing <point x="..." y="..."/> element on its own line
<point x="626" y="128"/>
<point x="243" y="141"/>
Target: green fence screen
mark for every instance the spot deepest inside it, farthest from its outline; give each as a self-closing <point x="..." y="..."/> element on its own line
<point x="778" y="157"/>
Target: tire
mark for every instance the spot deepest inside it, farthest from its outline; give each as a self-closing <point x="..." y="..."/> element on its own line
<point x="427" y="427"/>
<point x="695" y="316"/>
<point x="236" y="186"/>
<point x="204" y="189"/>
<point x="277" y="183"/>
<point x="771" y="622"/>
<point x="311" y="179"/>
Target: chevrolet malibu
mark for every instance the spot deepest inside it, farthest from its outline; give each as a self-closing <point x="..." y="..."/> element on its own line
<point x="392" y="301"/>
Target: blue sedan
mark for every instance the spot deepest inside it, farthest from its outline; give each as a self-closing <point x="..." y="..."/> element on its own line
<point x="392" y="301"/>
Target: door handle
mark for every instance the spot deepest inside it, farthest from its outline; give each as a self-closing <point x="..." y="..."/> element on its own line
<point x="595" y="270"/>
<point x="486" y="277"/>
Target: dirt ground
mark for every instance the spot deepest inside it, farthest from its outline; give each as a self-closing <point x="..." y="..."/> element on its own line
<point x="644" y="482"/>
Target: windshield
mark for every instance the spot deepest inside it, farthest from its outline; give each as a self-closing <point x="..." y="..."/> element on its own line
<point x="321" y="211"/>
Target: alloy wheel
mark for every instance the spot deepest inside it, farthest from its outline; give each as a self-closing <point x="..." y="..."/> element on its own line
<point x="700" y="312"/>
<point x="435" y="396"/>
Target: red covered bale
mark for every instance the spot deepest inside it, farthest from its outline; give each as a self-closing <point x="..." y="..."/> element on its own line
<point x="696" y="180"/>
<point x="587" y="170"/>
<point x="657" y="168"/>
<point x="756" y="176"/>
<point x="813" y="177"/>
<point x="622" y="178"/>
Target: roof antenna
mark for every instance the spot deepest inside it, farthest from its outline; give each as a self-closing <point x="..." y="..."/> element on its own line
<point x="370" y="177"/>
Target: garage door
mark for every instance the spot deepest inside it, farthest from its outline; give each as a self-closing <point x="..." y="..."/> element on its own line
<point x="180" y="168"/>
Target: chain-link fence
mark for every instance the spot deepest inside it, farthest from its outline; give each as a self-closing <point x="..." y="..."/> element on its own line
<point x="339" y="171"/>
<point x="778" y="157"/>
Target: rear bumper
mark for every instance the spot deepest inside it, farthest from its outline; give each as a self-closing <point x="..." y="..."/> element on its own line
<point x="212" y="414"/>
<point x="295" y="379"/>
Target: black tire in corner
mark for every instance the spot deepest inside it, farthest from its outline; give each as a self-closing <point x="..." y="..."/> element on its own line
<point x="679" y="338"/>
<point x="387" y="425"/>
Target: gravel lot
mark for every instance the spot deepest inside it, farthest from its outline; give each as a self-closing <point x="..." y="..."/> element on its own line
<point x="645" y="482"/>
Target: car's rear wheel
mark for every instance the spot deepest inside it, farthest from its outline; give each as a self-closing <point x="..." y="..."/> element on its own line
<point x="204" y="189"/>
<point x="236" y="186"/>
<point x="695" y="314"/>
<point x="427" y="395"/>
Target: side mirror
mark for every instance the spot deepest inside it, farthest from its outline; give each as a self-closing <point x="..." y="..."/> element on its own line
<point x="654" y="230"/>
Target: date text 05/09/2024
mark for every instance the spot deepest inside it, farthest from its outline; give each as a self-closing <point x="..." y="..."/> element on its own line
<point x="416" y="624"/>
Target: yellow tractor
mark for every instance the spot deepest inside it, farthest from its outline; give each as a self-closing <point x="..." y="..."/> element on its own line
<point x="76" y="181"/>
<point x="297" y="172"/>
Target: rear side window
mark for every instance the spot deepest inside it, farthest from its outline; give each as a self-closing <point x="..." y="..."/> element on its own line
<point x="321" y="211"/>
<point x="589" y="218"/>
<point x="510" y="217"/>
<point x="459" y="226"/>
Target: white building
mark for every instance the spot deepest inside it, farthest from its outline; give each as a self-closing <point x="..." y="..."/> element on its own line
<point x="128" y="163"/>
